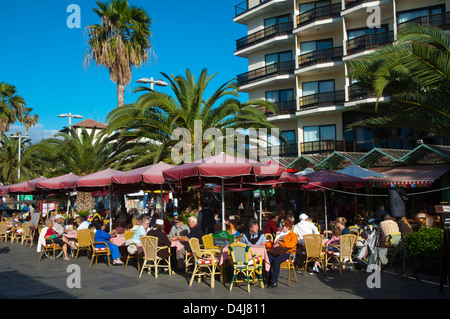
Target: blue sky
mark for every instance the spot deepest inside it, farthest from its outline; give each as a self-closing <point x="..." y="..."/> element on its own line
<point x="43" y="57"/>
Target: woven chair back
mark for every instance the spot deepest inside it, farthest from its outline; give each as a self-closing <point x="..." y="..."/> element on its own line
<point x="239" y="254"/>
<point x="128" y="235"/>
<point x="149" y="246"/>
<point x="346" y="244"/>
<point x="313" y="244"/>
<point x="84" y="237"/>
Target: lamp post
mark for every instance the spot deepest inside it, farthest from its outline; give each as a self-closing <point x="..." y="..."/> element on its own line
<point x="70" y="115"/>
<point x="152" y="82"/>
<point x="20" y="136"/>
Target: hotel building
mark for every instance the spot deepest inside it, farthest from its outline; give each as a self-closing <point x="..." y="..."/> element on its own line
<point x="298" y="53"/>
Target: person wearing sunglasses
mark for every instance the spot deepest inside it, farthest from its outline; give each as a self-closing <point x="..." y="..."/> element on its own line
<point x="287" y="239"/>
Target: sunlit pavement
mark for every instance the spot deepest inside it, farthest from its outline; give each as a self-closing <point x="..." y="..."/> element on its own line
<point x="22" y="276"/>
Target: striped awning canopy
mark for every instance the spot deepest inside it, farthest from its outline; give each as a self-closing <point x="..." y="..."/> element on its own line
<point x="410" y="176"/>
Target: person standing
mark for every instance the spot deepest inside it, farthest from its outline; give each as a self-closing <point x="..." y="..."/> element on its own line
<point x="206" y="219"/>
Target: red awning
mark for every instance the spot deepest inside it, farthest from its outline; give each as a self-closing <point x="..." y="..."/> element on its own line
<point x="221" y="167"/>
<point x="151" y="174"/>
<point x="22" y="187"/>
<point x="52" y="183"/>
<point x="410" y="176"/>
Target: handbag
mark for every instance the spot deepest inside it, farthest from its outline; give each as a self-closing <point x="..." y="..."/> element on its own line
<point x="278" y="251"/>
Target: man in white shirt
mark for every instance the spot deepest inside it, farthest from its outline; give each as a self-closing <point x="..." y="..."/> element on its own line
<point x="304" y="227"/>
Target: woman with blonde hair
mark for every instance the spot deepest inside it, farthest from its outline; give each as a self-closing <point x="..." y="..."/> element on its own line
<point x="340" y="223"/>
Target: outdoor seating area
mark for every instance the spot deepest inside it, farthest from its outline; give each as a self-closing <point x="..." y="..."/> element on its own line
<point x="249" y="253"/>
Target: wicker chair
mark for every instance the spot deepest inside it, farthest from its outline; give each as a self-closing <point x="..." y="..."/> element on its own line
<point x="4" y="232"/>
<point x="344" y="253"/>
<point x="49" y="248"/>
<point x="208" y="244"/>
<point x="242" y="265"/>
<point x="289" y="265"/>
<point x="269" y="237"/>
<point x="206" y="264"/>
<point x="96" y="251"/>
<point x="83" y="241"/>
<point x="151" y="260"/>
<point x="137" y="255"/>
<point x="313" y="249"/>
<point x="26" y="233"/>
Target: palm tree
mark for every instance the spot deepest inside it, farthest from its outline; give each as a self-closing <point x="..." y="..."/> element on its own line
<point x="27" y="119"/>
<point x="151" y="121"/>
<point x="30" y="164"/>
<point x="120" y="42"/>
<point x="10" y="106"/>
<point x="80" y="154"/>
<point x="414" y="73"/>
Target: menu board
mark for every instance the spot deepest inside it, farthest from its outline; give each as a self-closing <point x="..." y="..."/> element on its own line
<point x="222" y="239"/>
<point x="35" y="219"/>
<point x="445" y="221"/>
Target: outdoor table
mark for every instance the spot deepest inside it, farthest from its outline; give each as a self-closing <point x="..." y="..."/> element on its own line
<point x="120" y="241"/>
<point x="257" y="250"/>
<point x="71" y="234"/>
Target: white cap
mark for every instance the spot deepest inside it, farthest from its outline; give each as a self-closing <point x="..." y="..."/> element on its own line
<point x="303" y="216"/>
<point x="159" y="222"/>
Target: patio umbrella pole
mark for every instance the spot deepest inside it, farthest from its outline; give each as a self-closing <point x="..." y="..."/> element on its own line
<point x="260" y="207"/>
<point x="325" y="207"/>
<point x="223" y="206"/>
<point x="161" y="201"/>
<point x="110" y="210"/>
<point x="68" y="208"/>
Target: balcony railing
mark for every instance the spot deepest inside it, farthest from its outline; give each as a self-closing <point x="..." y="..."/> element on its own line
<point x="353" y="3"/>
<point x="441" y="20"/>
<point x="358" y="93"/>
<point x="319" y="13"/>
<point x="369" y="42"/>
<point x="322" y="147"/>
<point x="263" y="35"/>
<point x="290" y="150"/>
<point x="247" y="5"/>
<point x="284" y="107"/>
<point x="320" y="56"/>
<point x="266" y="72"/>
<point x="322" y="99"/>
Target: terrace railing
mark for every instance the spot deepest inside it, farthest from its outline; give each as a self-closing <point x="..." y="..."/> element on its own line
<point x="320" y="56"/>
<point x="263" y="35"/>
<point x="319" y="13"/>
<point x="266" y="72"/>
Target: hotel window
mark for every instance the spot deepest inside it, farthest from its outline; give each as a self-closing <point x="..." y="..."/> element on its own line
<point x="304" y="7"/>
<point x="280" y="96"/>
<point x="319" y="133"/>
<point x="413" y="14"/>
<point x="310" y="88"/>
<point x="276" y="20"/>
<point x="310" y="46"/>
<point x="278" y="57"/>
<point x="365" y="31"/>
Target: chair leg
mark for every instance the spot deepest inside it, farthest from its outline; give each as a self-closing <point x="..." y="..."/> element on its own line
<point x="142" y="268"/>
<point x="193" y="275"/>
<point x="213" y="270"/>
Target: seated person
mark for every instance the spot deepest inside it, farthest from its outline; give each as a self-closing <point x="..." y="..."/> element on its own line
<point x="52" y="236"/>
<point x="253" y="236"/>
<point x="102" y="236"/>
<point x="287" y="239"/>
<point x="158" y="232"/>
<point x="83" y="223"/>
<point x="179" y="229"/>
<point x="195" y="232"/>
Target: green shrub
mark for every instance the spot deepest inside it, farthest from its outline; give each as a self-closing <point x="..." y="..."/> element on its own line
<point x="424" y="249"/>
<point x="84" y="213"/>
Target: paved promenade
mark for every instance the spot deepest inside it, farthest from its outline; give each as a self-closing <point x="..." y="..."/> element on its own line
<point x="22" y="276"/>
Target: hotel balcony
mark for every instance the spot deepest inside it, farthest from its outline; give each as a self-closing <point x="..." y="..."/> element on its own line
<point x="264" y="38"/>
<point x="369" y="42"/>
<point x="284" y="108"/>
<point x="276" y="71"/>
<point x="249" y="9"/>
<point x="326" y="58"/>
<point x="321" y="147"/>
<point x="324" y="99"/>
<point x="318" y="19"/>
<point x="440" y="20"/>
<point x="290" y="150"/>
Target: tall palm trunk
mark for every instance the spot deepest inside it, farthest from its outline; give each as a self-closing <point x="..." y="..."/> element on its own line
<point x="85" y="201"/>
<point x="120" y="94"/>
